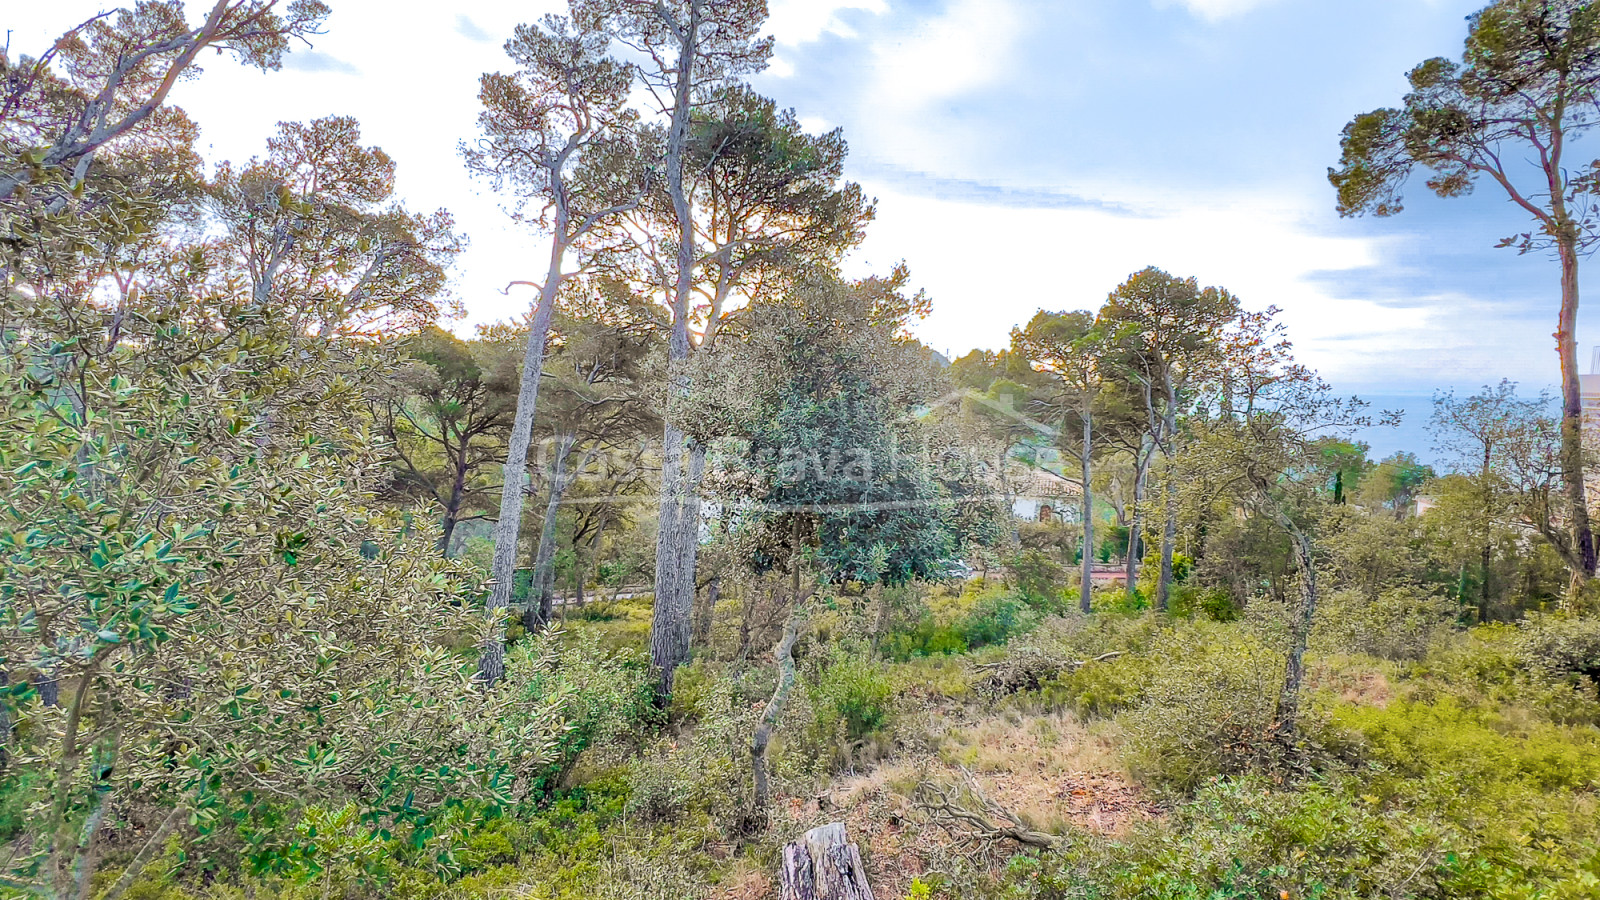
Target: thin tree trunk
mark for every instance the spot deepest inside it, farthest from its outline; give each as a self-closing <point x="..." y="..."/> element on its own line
<point x="784" y="657"/>
<point x="452" y="509"/>
<point x="1286" y="718"/>
<point x="1136" y="524"/>
<point x="1488" y="525"/>
<point x="492" y="663"/>
<point x="1572" y="457"/>
<point x="1169" y="539"/>
<point x="594" y="556"/>
<point x="706" y="613"/>
<point x="1086" y="589"/>
<point x="541" y="589"/>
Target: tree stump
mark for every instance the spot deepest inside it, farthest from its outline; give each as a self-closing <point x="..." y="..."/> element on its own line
<point x="824" y="865"/>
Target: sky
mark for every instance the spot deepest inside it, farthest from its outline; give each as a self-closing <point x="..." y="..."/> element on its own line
<point x="1024" y="154"/>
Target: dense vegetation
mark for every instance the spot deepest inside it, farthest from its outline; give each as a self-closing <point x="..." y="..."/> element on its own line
<point x="305" y="596"/>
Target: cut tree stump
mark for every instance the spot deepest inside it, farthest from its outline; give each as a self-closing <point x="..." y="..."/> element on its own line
<point x="824" y="865"/>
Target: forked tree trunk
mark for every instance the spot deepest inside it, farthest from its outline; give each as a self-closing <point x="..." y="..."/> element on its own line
<point x="541" y="588"/>
<point x="824" y="865"/>
<point x="1169" y="538"/>
<point x="452" y="507"/>
<point x="503" y="568"/>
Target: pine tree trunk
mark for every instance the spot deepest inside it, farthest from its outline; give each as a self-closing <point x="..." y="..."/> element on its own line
<point x="1572" y="456"/>
<point x="492" y="663"/>
<point x="1086" y="589"/>
<point x="670" y="623"/>
<point x="1169" y="539"/>
<point x="676" y="540"/>
<point x="541" y="589"/>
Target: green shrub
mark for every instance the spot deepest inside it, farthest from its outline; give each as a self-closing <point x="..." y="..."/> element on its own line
<point x="1190" y="601"/>
<point x="995" y="620"/>
<point x="1207" y="707"/>
<point x="1400" y="623"/>
<point x="1475" y="745"/>
<point x="1246" y="840"/>
<point x="1040" y="579"/>
<point x="927" y="638"/>
<point x="1098" y="689"/>
<point x="978" y="617"/>
<point x="607" y="697"/>
<point x="1120" y="602"/>
<point x="851" y="693"/>
<point x="1564" y="647"/>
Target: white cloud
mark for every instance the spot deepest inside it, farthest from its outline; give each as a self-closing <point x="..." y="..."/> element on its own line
<point x="936" y="60"/>
<point x="1215" y="10"/>
<point x="801" y="21"/>
<point x="990" y="267"/>
<point x="947" y="56"/>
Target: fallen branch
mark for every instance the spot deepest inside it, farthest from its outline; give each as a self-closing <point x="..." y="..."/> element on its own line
<point x="981" y="820"/>
<point x="1027" y="671"/>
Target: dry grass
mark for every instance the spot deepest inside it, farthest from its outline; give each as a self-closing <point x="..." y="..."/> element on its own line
<point x="1350" y="682"/>
<point x="1053" y="771"/>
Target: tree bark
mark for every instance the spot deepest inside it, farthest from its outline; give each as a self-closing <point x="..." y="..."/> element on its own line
<point x="783" y="655"/>
<point x="541" y="588"/>
<point x="1287" y="715"/>
<point x="452" y="508"/>
<point x="492" y="662"/>
<point x="1572" y="457"/>
<point x="674" y="594"/>
<point x="1169" y="538"/>
<point x="1136" y="525"/>
<point x="704" y="616"/>
<point x="824" y="865"/>
<point x="1086" y="589"/>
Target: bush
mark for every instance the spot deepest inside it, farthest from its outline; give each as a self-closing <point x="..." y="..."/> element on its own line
<point x="607" y="696"/>
<point x="1399" y="624"/>
<point x="1206" y="710"/>
<point x="978" y="617"/>
<point x="1563" y="647"/>
<point x="1244" y="839"/>
<point x="850" y="696"/>
<point x="995" y="620"/>
<point x="1190" y="601"/>
<point x="1473" y="745"/>
<point x="1098" y="689"/>
<point x="1040" y="578"/>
